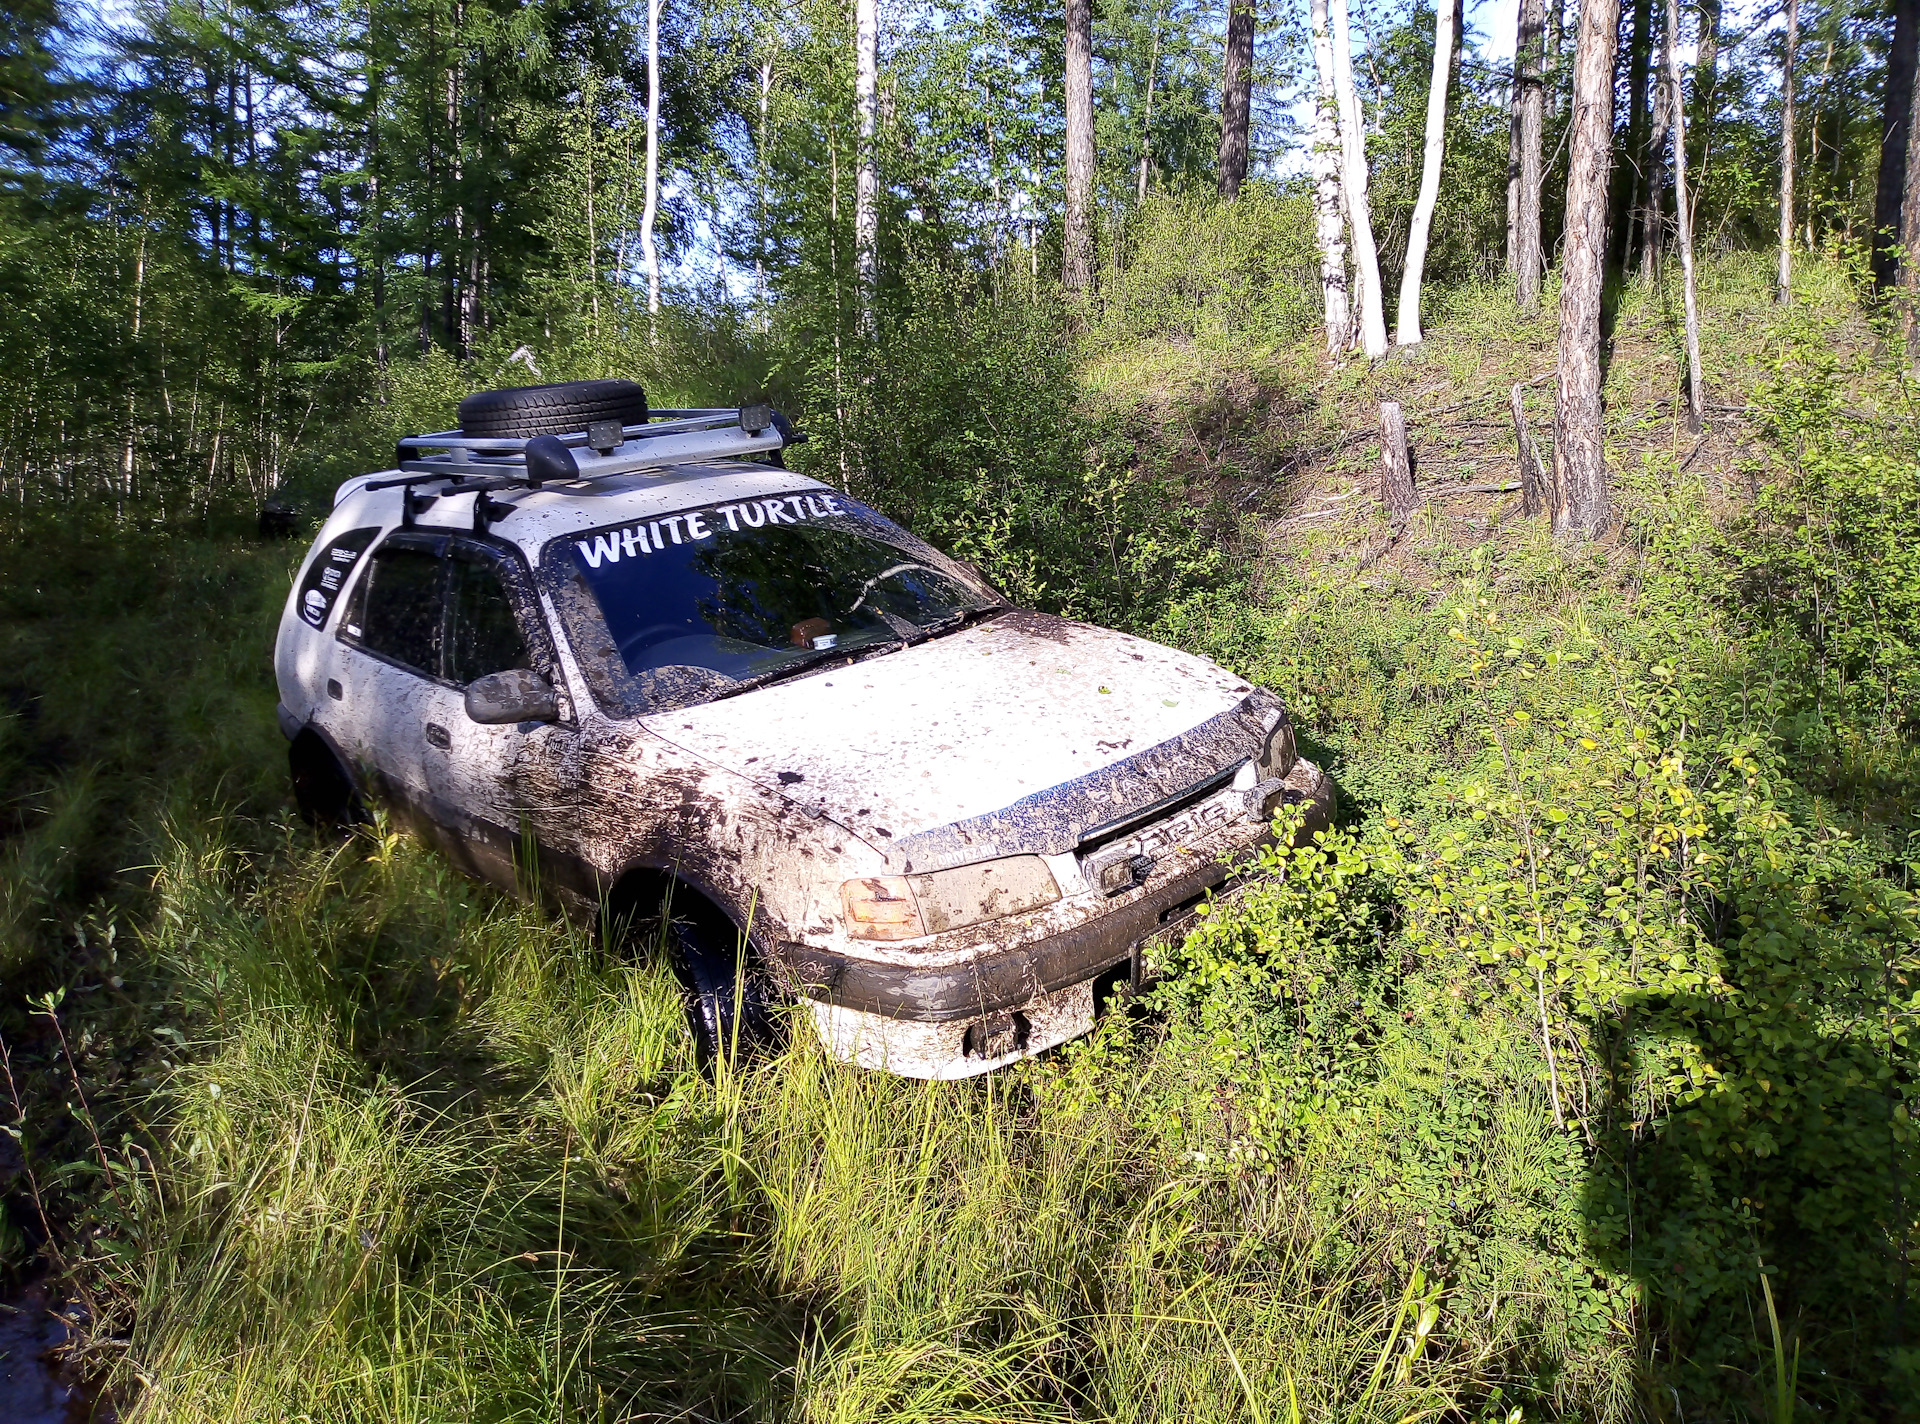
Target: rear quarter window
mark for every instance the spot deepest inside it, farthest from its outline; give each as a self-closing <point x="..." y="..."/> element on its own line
<point x="328" y="573"/>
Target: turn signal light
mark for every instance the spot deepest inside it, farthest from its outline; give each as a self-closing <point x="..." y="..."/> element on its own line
<point x="881" y="907"/>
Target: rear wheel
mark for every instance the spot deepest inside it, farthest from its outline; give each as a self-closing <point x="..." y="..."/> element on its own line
<point x="322" y="789"/>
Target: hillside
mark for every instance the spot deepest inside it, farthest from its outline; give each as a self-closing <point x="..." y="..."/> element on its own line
<point x="1497" y="1105"/>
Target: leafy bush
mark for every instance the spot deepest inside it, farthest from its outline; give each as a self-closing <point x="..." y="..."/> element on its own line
<point x="1241" y="274"/>
<point x="970" y="428"/>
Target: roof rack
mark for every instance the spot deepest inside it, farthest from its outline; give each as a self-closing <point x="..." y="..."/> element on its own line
<point x="478" y="465"/>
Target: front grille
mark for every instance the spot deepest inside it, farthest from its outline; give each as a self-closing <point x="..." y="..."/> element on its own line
<point x="1158" y="811"/>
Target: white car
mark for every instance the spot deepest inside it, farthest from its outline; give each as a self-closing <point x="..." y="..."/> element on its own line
<point x="616" y="657"/>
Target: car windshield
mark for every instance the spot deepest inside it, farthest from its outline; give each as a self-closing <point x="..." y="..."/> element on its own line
<point x="682" y="608"/>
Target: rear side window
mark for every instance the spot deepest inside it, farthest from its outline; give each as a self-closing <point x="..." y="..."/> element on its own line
<point x="482" y="635"/>
<point x="400" y="608"/>
<point x="442" y="609"/>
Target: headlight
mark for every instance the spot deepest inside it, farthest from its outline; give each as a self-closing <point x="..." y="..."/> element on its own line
<point x="908" y="906"/>
<point x="880" y="907"/>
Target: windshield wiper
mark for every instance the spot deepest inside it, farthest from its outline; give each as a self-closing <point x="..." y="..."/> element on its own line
<point x="786" y="670"/>
<point x="958" y="620"/>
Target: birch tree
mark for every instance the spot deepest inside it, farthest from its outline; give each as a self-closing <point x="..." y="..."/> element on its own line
<point x="1076" y="258"/>
<point x="1910" y="237"/>
<point x="649" y="251"/>
<point x="1353" y="181"/>
<point x="1407" y="324"/>
<point x="1328" y="221"/>
<point x="1527" y="263"/>
<point x="1579" y="462"/>
<point x="866" y="179"/>
<point x="1783" y="292"/>
<point x="1683" y="224"/>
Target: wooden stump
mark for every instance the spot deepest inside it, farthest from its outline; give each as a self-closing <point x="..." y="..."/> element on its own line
<point x="1396" y="465"/>
<point x="1533" y="476"/>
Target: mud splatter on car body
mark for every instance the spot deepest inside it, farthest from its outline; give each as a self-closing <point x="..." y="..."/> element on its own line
<point x="937" y="839"/>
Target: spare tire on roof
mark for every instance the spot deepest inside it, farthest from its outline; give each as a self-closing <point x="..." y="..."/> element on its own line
<point x="562" y="409"/>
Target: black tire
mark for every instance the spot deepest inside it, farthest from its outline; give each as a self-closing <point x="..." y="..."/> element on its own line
<point x="323" y="791"/>
<point x="563" y="409"/>
<point x="726" y="1009"/>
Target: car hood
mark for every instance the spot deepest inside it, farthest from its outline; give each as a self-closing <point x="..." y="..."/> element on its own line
<point x="1017" y="735"/>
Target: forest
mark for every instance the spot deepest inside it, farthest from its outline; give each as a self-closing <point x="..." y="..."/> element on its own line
<point x="1525" y="393"/>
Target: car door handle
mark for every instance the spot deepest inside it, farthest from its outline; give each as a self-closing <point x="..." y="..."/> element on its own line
<point x="437" y="736"/>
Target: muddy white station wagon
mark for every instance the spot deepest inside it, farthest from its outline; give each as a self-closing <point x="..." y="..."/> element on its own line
<point x="620" y="658"/>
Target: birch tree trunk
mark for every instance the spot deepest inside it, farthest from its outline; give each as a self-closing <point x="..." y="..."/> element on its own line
<point x="762" y="176"/>
<point x="866" y="177"/>
<point x="1146" y="123"/>
<point x="1783" y="293"/>
<point x="1076" y="258"/>
<point x="1683" y="222"/>
<point x="1910" y="237"/>
<point x="1236" y="98"/>
<point x="1513" y="168"/>
<point x="1579" y="462"/>
<point x="649" y="253"/>
<point x="1407" y="323"/>
<point x="1327" y="217"/>
<point x="1353" y="170"/>
<point x="1527" y="66"/>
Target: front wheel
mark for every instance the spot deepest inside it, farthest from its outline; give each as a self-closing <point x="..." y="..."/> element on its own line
<point x="731" y="1003"/>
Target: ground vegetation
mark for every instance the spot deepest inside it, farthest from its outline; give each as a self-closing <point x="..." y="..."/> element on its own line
<point x="1569" y="1076"/>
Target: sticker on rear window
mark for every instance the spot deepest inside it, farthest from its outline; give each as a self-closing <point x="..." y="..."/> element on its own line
<point x="647" y="536"/>
<point x="327" y="574"/>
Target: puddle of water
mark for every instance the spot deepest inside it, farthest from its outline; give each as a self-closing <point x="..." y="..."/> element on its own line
<point x="34" y="1389"/>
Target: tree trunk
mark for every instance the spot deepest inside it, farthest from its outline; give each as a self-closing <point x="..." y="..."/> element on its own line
<point x="1534" y="495"/>
<point x="1407" y="319"/>
<point x="866" y="177"/>
<point x="1783" y="293"/>
<point x="1396" y="464"/>
<point x="1146" y="123"/>
<point x="649" y="252"/>
<point x="1910" y="235"/>
<point x="1579" y="462"/>
<point x="1653" y="213"/>
<point x="1236" y="98"/>
<point x="1683" y="221"/>
<point x="1556" y="52"/>
<point x="1513" y="173"/>
<point x="1327" y="217"/>
<point x="456" y="182"/>
<point x="1528" y="260"/>
<point x="762" y="179"/>
<point x="1353" y="169"/>
<point x="1076" y="260"/>
<point x="1896" y="121"/>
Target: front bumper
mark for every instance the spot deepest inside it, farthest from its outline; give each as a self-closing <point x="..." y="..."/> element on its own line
<point x="957" y="1019"/>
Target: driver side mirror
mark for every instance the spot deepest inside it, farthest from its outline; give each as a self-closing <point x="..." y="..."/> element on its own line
<point x="517" y="695"/>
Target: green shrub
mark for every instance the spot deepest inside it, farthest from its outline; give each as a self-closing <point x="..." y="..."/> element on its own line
<point x="972" y="430"/>
<point x="1238" y="274"/>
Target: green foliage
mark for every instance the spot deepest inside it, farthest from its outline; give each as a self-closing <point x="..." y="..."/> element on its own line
<point x="1225" y="274"/>
<point x="1834" y="548"/>
<point x="990" y="451"/>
